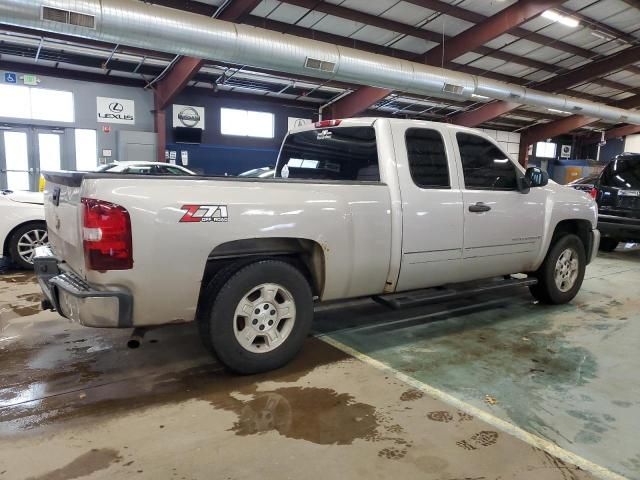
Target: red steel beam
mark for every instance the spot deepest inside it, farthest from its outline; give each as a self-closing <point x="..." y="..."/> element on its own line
<point x="445" y="52"/>
<point x="358" y="101"/>
<point x="616" y="132"/>
<point x="578" y="75"/>
<point x="564" y="125"/>
<point x="490" y="28"/>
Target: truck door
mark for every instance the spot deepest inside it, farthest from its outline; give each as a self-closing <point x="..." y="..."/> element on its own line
<point x="502" y="226"/>
<point x="432" y="226"/>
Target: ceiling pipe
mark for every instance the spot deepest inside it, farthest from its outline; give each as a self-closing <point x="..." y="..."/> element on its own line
<point x="154" y="27"/>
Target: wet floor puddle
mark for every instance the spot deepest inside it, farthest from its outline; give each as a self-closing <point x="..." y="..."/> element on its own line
<point x="318" y="415"/>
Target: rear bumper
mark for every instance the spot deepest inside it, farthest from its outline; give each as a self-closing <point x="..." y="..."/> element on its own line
<point x="619" y="228"/>
<point x="75" y="299"/>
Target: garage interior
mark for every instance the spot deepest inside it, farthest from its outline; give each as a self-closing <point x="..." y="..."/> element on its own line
<point x="491" y="386"/>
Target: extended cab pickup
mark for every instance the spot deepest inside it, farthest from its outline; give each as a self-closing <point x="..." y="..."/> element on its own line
<point x="359" y="207"/>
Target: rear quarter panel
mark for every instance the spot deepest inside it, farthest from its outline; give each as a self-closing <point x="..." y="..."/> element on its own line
<point x="352" y="224"/>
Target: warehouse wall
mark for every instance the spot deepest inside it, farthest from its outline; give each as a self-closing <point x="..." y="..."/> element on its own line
<point x="227" y="154"/>
<point x="632" y="144"/>
<point x="85" y="94"/>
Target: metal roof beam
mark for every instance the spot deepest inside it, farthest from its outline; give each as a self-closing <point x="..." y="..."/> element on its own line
<point x="488" y="29"/>
<point x="579" y="75"/>
<point x="449" y="50"/>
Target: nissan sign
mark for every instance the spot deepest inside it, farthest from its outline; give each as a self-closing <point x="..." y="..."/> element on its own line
<point x="116" y="110"/>
<point x="188" y="116"/>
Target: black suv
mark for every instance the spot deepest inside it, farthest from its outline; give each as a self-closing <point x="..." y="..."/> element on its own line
<point x="617" y="192"/>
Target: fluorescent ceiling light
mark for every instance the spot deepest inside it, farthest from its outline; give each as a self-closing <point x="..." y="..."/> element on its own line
<point x="479" y="97"/>
<point x="563" y="19"/>
<point x="557" y="111"/>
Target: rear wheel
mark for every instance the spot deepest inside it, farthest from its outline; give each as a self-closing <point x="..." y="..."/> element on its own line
<point x="608" y="244"/>
<point x="24" y="241"/>
<point x="259" y="318"/>
<point x="562" y="272"/>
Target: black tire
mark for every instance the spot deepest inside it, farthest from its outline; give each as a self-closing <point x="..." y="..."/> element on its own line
<point x="608" y="244"/>
<point x="546" y="290"/>
<point x="224" y="293"/>
<point x="14" y="253"/>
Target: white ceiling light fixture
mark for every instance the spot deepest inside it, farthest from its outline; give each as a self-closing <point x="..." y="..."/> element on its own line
<point x="554" y="110"/>
<point x="563" y="19"/>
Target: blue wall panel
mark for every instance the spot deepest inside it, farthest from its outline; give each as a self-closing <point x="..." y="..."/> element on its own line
<point x="222" y="159"/>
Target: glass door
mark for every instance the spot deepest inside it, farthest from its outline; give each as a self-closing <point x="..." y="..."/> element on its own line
<point x="48" y="152"/>
<point x="15" y="153"/>
<point x="25" y="152"/>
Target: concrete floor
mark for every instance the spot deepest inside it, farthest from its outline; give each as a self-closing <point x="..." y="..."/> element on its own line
<point x="76" y="403"/>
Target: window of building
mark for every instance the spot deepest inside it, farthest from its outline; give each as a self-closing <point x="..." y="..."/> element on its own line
<point x="345" y="153"/>
<point x="546" y="150"/>
<point x="246" y="123"/>
<point x="427" y="158"/>
<point x="36" y="103"/>
<point x="86" y="150"/>
<point x="484" y="165"/>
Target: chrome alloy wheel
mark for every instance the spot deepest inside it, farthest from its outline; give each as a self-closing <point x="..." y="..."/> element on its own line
<point x="28" y="242"/>
<point x="264" y="318"/>
<point x="566" y="272"/>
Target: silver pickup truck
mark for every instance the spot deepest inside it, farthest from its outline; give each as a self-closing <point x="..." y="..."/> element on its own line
<point x="361" y="207"/>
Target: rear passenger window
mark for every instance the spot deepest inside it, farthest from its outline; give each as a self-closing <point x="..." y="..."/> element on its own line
<point x="427" y="158"/>
<point x="484" y="165"/>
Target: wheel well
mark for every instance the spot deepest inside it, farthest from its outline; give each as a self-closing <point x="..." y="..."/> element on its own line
<point x="580" y="228"/>
<point x="7" y="239"/>
<point x="306" y="255"/>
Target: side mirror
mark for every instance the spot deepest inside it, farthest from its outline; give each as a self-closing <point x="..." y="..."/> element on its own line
<point x="536" y="177"/>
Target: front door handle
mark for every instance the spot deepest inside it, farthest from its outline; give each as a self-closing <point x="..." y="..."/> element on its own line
<point x="479" y="208"/>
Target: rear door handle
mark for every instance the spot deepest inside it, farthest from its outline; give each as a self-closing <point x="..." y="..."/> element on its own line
<point x="479" y="208"/>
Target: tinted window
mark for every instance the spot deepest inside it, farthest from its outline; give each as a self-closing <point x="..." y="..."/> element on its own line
<point x="168" y="170"/>
<point x="347" y="153"/>
<point x="427" y="158"/>
<point x="623" y="172"/>
<point x="485" y="167"/>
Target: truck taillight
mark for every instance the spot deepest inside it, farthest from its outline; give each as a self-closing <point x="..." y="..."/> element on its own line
<point x="593" y="192"/>
<point x="106" y="236"/>
<point x="327" y="123"/>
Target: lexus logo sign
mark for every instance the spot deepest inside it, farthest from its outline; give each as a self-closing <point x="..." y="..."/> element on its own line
<point x="116" y="107"/>
<point x="116" y="110"/>
<point x="188" y="116"/>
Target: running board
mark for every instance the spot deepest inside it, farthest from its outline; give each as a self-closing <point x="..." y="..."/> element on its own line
<point x="427" y="296"/>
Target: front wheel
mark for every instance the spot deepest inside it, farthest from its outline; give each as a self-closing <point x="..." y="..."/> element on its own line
<point x="260" y="316"/>
<point x="24" y="241"/>
<point x="561" y="274"/>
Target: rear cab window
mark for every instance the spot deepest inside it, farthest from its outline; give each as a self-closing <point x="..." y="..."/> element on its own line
<point x="622" y="173"/>
<point x="336" y="153"/>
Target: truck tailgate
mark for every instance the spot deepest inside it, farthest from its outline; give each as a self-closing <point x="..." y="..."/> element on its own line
<point x="63" y="213"/>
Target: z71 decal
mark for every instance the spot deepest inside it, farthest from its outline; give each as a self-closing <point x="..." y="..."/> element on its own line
<point x="204" y="213"/>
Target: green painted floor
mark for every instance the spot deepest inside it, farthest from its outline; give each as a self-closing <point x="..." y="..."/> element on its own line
<point x="570" y="373"/>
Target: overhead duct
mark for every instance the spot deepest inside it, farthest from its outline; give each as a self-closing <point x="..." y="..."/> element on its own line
<point x="138" y="24"/>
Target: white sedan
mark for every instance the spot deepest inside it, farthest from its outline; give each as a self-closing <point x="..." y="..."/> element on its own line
<point x="22" y="226"/>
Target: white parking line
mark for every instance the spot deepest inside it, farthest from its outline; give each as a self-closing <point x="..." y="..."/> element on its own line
<point x="533" y="440"/>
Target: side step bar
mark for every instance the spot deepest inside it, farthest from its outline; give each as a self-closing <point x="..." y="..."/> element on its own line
<point x="427" y="296"/>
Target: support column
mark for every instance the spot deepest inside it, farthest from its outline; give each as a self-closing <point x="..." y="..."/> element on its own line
<point x="160" y="126"/>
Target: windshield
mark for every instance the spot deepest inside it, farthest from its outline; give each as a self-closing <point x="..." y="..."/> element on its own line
<point x="343" y="153"/>
<point x="623" y="172"/>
